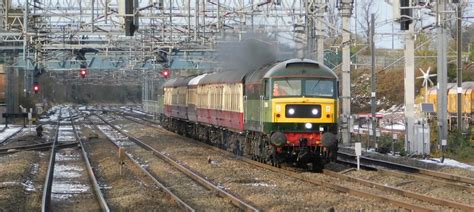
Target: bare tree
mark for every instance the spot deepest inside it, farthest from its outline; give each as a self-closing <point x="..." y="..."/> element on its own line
<point x="332" y="18"/>
<point x="366" y="8"/>
<point x="451" y="18"/>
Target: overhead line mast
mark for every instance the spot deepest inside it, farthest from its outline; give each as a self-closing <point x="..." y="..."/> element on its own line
<point x="442" y="75"/>
<point x="345" y="8"/>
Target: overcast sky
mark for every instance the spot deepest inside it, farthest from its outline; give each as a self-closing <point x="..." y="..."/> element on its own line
<point x="384" y="23"/>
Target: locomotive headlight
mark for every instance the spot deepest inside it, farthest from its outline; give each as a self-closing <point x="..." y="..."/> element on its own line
<point x="315" y="111"/>
<point x="291" y="111"/>
<point x="308" y="125"/>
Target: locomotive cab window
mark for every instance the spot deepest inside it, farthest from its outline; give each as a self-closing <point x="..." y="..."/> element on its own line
<point x="286" y="87"/>
<point x="303" y="87"/>
<point x="319" y="87"/>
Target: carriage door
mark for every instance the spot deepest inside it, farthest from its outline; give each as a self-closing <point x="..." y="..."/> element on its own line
<point x="264" y="103"/>
<point x="262" y="111"/>
<point x="245" y="109"/>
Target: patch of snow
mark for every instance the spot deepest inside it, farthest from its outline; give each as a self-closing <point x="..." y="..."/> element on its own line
<point x="29" y="185"/>
<point x="68" y="175"/>
<point x="35" y="169"/>
<point x="449" y="162"/>
<point x="68" y="188"/>
<point x="261" y="184"/>
<point x="139" y="112"/>
<point x="64" y="157"/>
<point x="394" y="127"/>
<point x="67" y="171"/>
<point x="65" y="127"/>
<point x="371" y="150"/>
<point x="8" y="132"/>
<point x="9" y="183"/>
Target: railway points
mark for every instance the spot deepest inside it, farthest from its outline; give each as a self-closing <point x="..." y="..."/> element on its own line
<point x="201" y="180"/>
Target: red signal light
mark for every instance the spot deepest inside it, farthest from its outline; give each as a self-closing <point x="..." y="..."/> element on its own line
<point x="36" y="87"/>
<point x="83" y="72"/>
<point x="166" y="73"/>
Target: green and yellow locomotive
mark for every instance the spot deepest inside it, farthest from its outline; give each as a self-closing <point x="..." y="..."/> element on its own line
<point x="284" y="112"/>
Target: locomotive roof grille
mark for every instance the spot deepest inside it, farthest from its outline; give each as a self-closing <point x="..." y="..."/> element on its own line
<point x="302" y="65"/>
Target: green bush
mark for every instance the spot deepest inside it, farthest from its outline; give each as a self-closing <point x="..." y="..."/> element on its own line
<point x="459" y="146"/>
<point x="385" y="145"/>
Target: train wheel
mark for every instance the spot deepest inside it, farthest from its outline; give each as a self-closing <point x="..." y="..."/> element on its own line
<point x="317" y="166"/>
<point x="301" y="165"/>
<point x="274" y="158"/>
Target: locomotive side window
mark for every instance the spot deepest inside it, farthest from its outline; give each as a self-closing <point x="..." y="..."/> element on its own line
<point x="322" y="88"/>
<point x="287" y="87"/>
<point x="266" y="89"/>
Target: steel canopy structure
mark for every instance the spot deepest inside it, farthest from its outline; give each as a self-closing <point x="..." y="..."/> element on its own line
<point x="54" y="25"/>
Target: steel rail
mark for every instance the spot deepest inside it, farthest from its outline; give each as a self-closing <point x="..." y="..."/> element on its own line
<point x="130" y="117"/>
<point x="406" y="168"/>
<point x="388" y="172"/>
<point x="370" y="184"/>
<point x="173" y="196"/>
<point x="425" y="179"/>
<point x="135" y="115"/>
<point x="334" y="186"/>
<point x="193" y="175"/>
<point x="92" y="178"/>
<point x="401" y="192"/>
<point x="44" y="146"/>
<point x="46" y="199"/>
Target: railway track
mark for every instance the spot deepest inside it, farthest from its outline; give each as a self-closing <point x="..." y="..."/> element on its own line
<point x="397" y="191"/>
<point x="409" y="170"/>
<point x="408" y="175"/>
<point x="180" y="175"/>
<point x="384" y="167"/>
<point x="70" y="182"/>
<point x="134" y="182"/>
<point x="35" y="147"/>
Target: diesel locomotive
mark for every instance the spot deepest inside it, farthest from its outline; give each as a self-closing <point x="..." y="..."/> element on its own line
<point x="284" y="112"/>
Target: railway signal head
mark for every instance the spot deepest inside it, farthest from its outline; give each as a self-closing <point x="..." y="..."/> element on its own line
<point x="36" y="87"/>
<point x="83" y="72"/>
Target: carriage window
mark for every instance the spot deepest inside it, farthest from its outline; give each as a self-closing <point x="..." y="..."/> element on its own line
<point x="287" y="87"/>
<point x="323" y="88"/>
